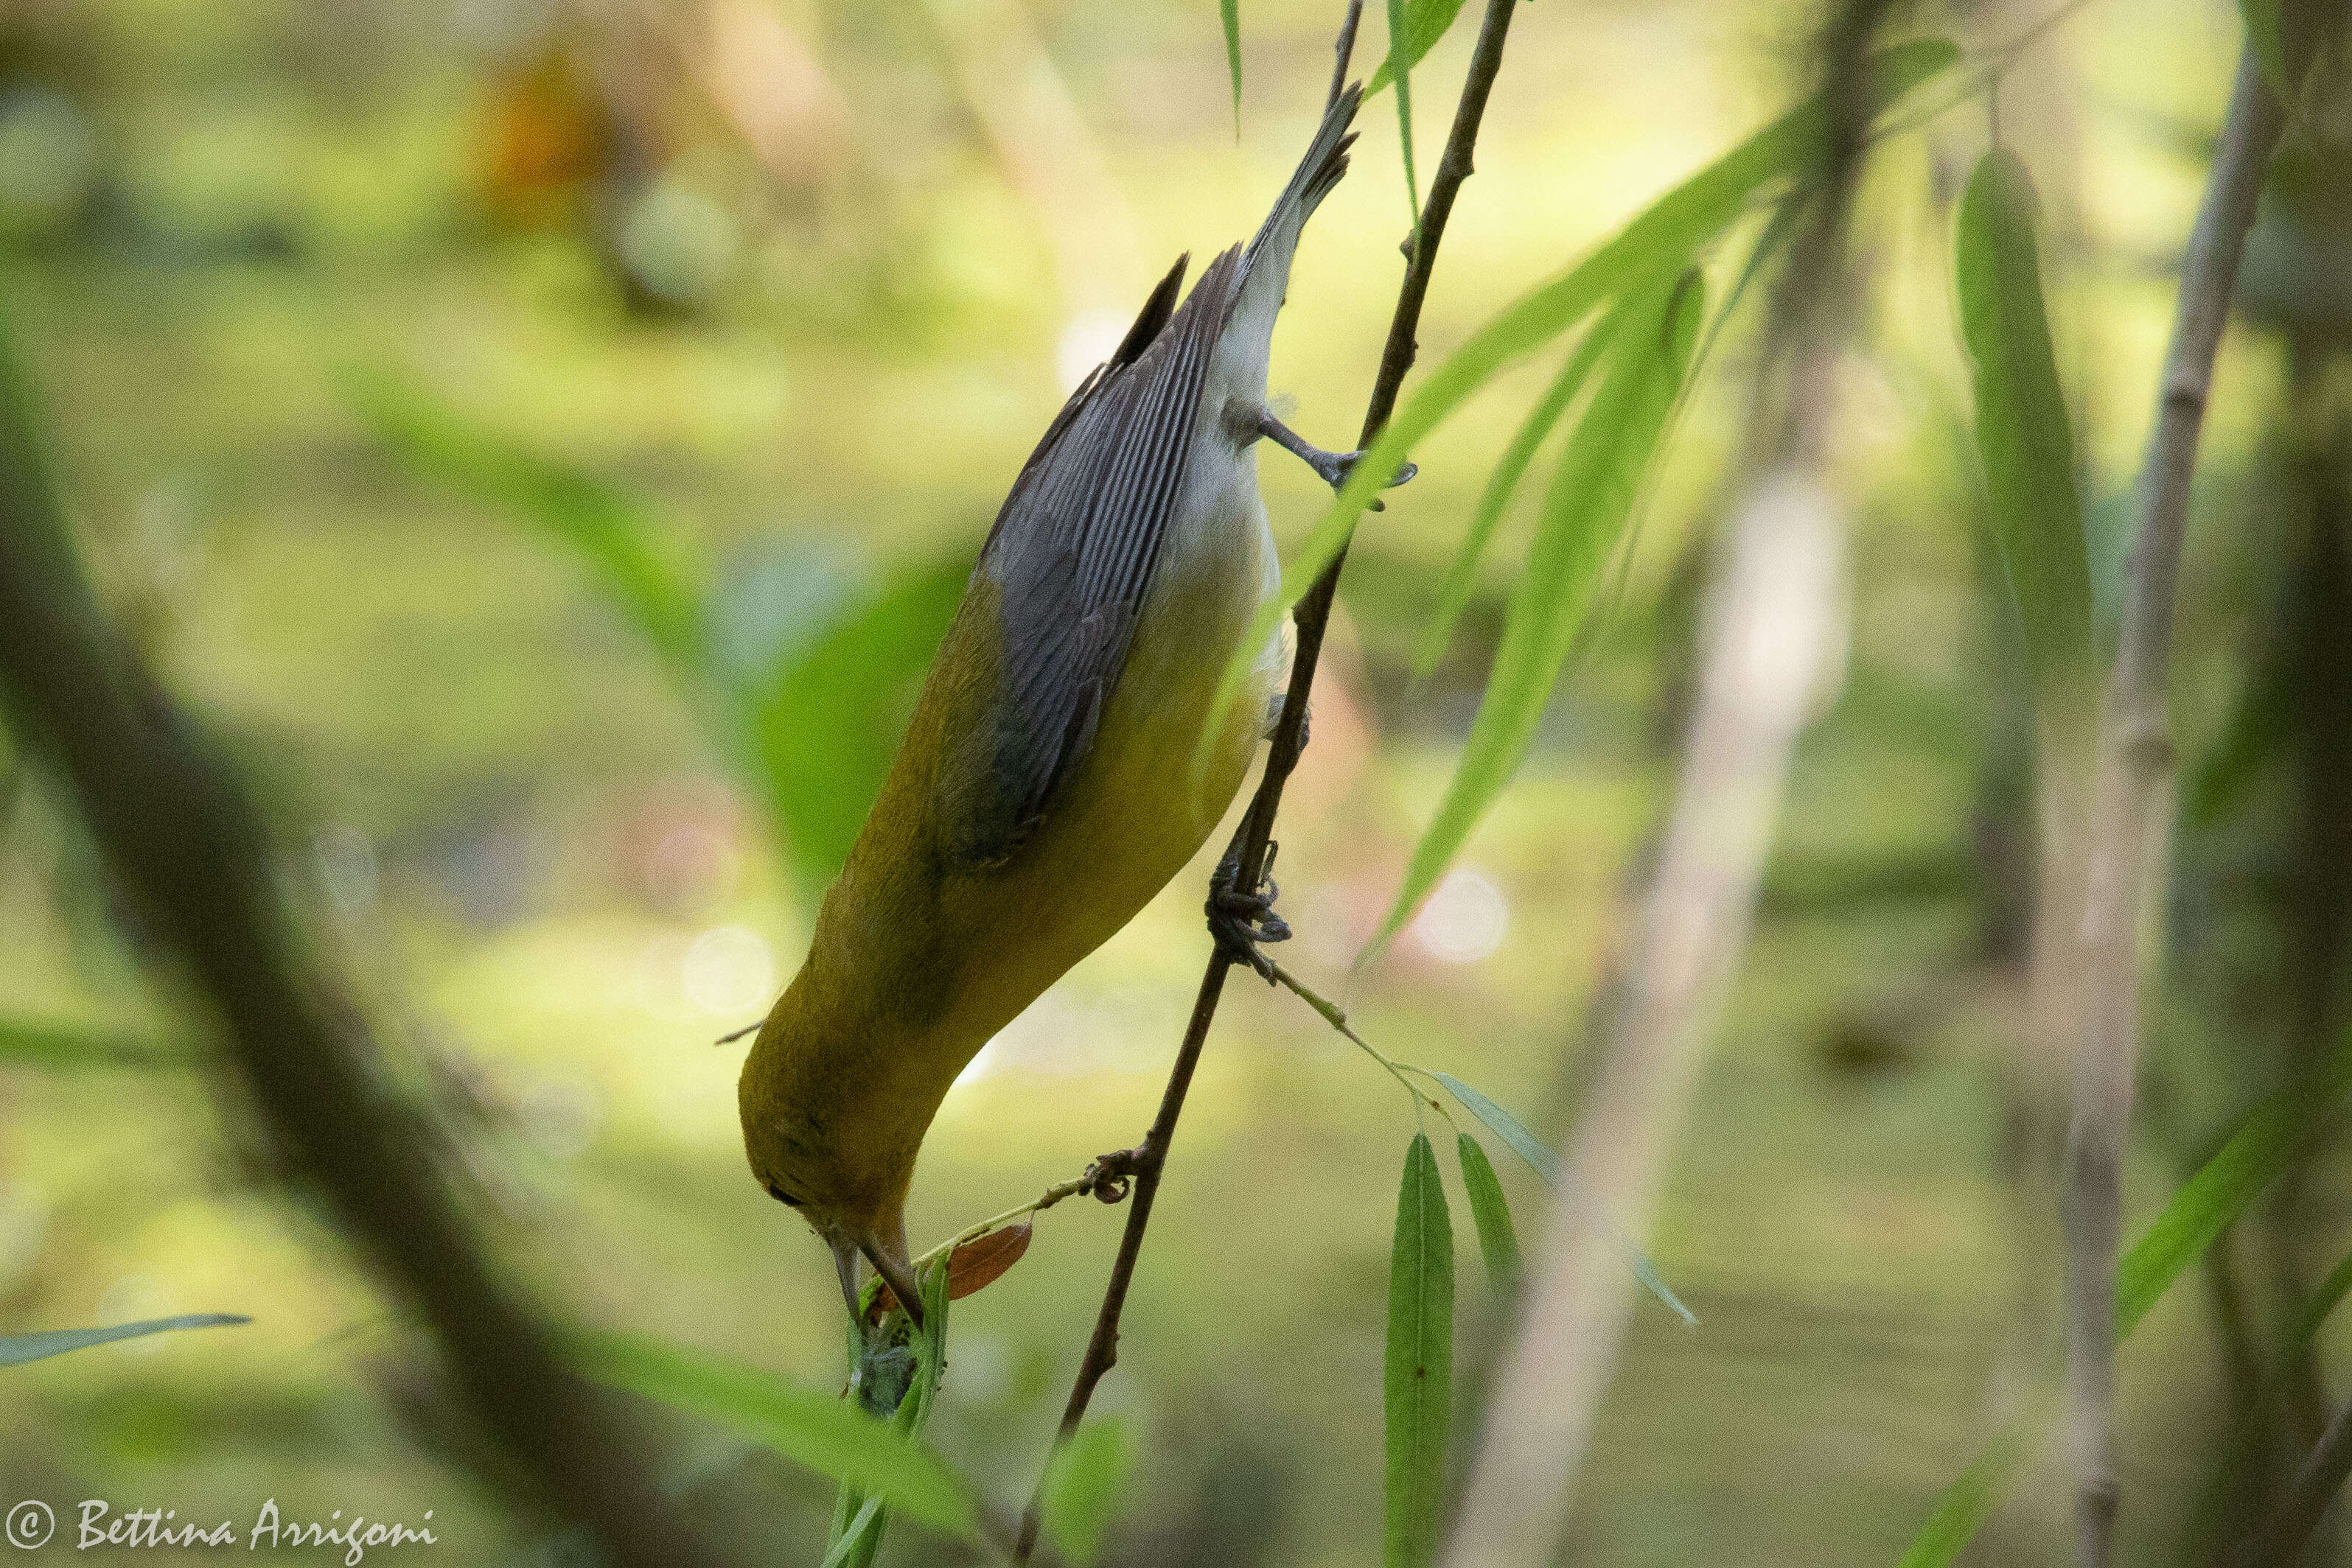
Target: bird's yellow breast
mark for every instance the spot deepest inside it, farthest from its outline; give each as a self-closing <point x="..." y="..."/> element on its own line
<point x="917" y="960"/>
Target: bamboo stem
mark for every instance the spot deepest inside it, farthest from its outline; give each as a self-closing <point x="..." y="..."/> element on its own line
<point x="2135" y="770"/>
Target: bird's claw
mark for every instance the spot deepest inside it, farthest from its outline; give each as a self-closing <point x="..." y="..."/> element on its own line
<point x="1242" y="921"/>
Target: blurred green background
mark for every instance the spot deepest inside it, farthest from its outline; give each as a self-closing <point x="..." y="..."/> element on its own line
<point x="543" y="438"/>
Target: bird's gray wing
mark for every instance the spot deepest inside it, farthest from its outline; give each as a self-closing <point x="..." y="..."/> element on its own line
<point x="1072" y="553"/>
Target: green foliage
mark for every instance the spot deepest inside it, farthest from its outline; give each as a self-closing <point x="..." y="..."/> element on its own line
<point x="822" y="753"/>
<point x="1658" y="243"/>
<point x="2022" y="434"/>
<point x="53" y="1047"/>
<point x="1584" y="514"/>
<point x="1462" y="577"/>
<point x="860" y="1514"/>
<point x="2265" y="37"/>
<point x="2263" y="1146"/>
<point x="643" y="567"/>
<point x="1498" y="1242"/>
<point x="1964" y="1506"/>
<point x="1080" y="1496"/>
<point x="1545" y="1164"/>
<point x="1417" y="1384"/>
<point x="1400" y="67"/>
<point x="810" y="722"/>
<point x="16" y="1350"/>
<point x="1230" y="12"/>
<point x="1425" y="21"/>
<point x="823" y="1433"/>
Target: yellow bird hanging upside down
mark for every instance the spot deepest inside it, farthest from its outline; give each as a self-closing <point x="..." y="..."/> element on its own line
<point x="1046" y="786"/>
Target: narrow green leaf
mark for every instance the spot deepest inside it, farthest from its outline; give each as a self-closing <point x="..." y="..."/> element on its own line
<point x="40" y="1043"/>
<point x="1498" y="1242"/>
<point x="1082" y="1488"/>
<point x="646" y="569"/>
<point x="1425" y="21"/>
<point x="2022" y="434"/>
<point x="2264" y="1144"/>
<point x="826" y="1434"/>
<point x="857" y="1543"/>
<point x="1401" y="72"/>
<point x="860" y="1538"/>
<point x="1585" y="511"/>
<point x="1417" y="1384"/>
<point x="1462" y="577"/>
<point x="1547" y="1164"/>
<point x="1230" y="12"/>
<point x="16" y="1350"/>
<point x="1964" y="1506"/>
<point x="1657" y="243"/>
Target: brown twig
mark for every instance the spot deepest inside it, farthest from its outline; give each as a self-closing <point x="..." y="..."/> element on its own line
<point x="2134" y="764"/>
<point x="1255" y="839"/>
<point x="1765" y="645"/>
<point x="188" y="849"/>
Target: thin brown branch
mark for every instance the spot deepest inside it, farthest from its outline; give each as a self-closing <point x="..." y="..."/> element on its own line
<point x="189" y="850"/>
<point x="1255" y="839"/>
<point x="1766" y="642"/>
<point x="2135" y="767"/>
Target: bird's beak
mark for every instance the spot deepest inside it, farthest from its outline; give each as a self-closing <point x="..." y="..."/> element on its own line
<point x="845" y="1263"/>
<point x="901" y="1279"/>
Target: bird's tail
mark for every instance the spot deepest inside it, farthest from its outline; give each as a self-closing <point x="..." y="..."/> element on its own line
<point x="1326" y="162"/>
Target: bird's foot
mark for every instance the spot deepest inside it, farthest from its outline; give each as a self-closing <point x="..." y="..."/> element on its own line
<point x="1241" y="921"/>
<point x="1332" y="467"/>
<point x="1276" y="706"/>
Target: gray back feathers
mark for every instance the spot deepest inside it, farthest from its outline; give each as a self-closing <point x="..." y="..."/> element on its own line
<point x="1073" y="551"/>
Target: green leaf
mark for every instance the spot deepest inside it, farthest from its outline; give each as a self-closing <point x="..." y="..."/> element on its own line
<point x="1498" y="1242"/>
<point x="39" y="1043"/>
<point x="644" y="568"/>
<point x="1462" y="578"/>
<point x="1080" y="1495"/>
<point x="1417" y="1384"/>
<point x="826" y="721"/>
<point x="1400" y="71"/>
<point x="861" y="1539"/>
<point x="1425" y="21"/>
<point x="1964" y="1506"/>
<point x="826" y="1434"/>
<point x="2264" y="1144"/>
<point x="1230" y="12"/>
<point x="1658" y="243"/>
<point x="2022" y="434"/>
<point x="16" y="1350"/>
<point x="1546" y="1163"/>
<point x="1584" y="514"/>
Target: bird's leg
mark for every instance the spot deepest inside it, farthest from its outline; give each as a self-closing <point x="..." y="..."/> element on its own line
<point x="1331" y="467"/>
<point x="1241" y="919"/>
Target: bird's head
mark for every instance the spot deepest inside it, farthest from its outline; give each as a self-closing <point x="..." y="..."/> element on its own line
<point x="852" y="1195"/>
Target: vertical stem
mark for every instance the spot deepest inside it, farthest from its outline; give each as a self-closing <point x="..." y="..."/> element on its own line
<point x="1311" y="618"/>
<point x="2135" y="767"/>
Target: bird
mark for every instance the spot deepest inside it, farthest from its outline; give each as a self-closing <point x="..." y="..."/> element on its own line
<point x="1048" y="787"/>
